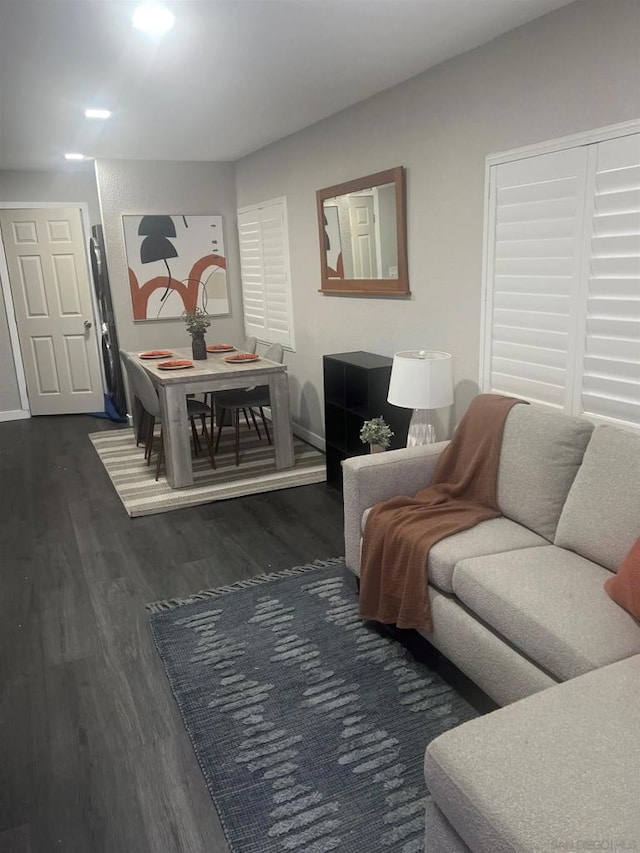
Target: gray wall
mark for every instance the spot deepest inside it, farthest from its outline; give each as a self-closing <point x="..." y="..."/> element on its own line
<point x="136" y="186"/>
<point x="37" y="186"/>
<point x="61" y="186"/>
<point x="576" y="69"/>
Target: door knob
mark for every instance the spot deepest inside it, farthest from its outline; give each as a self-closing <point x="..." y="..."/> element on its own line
<point x="87" y="324"/>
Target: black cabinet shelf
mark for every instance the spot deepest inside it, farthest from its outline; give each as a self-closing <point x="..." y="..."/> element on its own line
<point x="355" y="390"/>
<point x="361" y="412"/>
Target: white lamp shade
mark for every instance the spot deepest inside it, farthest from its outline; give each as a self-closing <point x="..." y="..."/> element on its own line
<point x="421" y="379"/>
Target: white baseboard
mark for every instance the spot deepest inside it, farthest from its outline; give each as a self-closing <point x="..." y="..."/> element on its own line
<point x="305" y="434"/>
<point x="310" y="437"/>
<point x="15" y="415"/>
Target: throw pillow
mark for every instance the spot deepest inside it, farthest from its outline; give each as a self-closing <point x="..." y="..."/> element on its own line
<point x="624" y="587"/>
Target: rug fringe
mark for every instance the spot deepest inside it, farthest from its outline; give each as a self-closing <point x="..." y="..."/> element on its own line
<point x="171" y="603"/>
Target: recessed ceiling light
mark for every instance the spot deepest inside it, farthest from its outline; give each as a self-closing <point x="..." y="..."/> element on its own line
<point x="97" y="113"/>
<point x="74" y="156"/>
<point x="153" y="19"/>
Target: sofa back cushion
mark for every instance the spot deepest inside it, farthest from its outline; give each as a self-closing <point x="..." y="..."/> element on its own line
<point x="541" y="453"/>
<point x="601" y="517"/>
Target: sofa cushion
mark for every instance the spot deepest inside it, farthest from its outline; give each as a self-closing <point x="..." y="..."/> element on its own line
<point x="551" y="605"/>
<point x="601" y="517"/>
<point x="488" y="537"/>
<point x="541" y="453"/>
<point x="555" y="771"/>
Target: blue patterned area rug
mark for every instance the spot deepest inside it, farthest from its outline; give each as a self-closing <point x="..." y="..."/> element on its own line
<point x="309" y="726"/>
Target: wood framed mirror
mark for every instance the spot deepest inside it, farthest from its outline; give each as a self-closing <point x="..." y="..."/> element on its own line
<point x="363" y="236"/>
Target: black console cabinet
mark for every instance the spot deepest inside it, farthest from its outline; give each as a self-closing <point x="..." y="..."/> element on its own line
<point x="355" y="390"/>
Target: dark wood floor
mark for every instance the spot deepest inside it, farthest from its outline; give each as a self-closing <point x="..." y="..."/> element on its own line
<point x="93" y="754"/>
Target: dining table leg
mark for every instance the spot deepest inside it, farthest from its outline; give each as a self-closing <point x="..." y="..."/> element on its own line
<point x="173" y="409"/>
<point x="281" y="419"/>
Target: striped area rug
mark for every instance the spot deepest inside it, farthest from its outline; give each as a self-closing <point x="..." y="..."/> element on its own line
<point x="141" y="495"/>
<point x="309" y="726"/>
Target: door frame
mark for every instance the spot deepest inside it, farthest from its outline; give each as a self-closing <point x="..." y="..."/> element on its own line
<point x="25" y="411"/>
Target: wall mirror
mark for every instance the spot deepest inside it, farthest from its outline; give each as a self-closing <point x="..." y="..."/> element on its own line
<point x="363" y="236"/>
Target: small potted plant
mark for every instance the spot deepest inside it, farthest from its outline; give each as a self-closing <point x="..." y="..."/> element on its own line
<point x="377" y="434"/>
<point x="197" y="323"/>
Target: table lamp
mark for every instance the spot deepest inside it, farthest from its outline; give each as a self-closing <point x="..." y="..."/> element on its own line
<point x="421" y="380"/>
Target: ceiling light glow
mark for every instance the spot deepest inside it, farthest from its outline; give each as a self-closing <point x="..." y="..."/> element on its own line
<point x="74" y="155"/>
<point x="97" y="113"/>
<point x="153" y="19"/>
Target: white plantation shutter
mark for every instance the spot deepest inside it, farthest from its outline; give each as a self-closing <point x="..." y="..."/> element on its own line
<point x="264" y="271"/>
<point x="562" y="312"/>
<point x="251" y="272"/>
<point x="611" y="361"/>
<point x="535" y="262"/>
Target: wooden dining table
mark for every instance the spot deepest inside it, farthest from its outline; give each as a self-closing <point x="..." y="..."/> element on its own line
<point x="210" y="375"/>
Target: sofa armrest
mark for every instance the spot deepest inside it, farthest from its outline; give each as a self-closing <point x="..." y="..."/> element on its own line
<point x="375" y="477"/>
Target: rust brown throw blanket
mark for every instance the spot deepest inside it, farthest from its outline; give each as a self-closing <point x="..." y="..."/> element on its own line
<point x="400" y="532"/>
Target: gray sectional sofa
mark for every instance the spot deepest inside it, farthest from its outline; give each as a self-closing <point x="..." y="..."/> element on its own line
<point x="518" y="605"/>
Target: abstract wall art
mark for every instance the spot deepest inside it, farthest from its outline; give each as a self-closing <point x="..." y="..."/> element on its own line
<point x="176" y="263"/>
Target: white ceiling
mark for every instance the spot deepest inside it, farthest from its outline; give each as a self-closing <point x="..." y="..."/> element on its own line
<point x="229" y="78"/>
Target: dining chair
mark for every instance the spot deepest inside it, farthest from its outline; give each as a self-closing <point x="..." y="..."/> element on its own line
<point x="145" y="391"/>
<point x="127" y="361"/>
<point x="250" y="344"/>
<point x="247" y="400"/>
<point x="194" y="410"/>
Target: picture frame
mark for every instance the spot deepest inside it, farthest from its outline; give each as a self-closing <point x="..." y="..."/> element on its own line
<point x="176" y="263"/>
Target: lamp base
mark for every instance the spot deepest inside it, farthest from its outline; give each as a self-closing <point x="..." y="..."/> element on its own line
<point x="421" y="430"/>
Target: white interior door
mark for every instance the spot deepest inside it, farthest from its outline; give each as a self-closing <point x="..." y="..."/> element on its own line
<point x="363" y="236"/>
<point x="50" y="286"/>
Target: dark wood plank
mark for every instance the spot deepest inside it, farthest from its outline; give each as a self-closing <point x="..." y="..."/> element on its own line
<point x="93" y="752"/>
<point x="17" y="840"/>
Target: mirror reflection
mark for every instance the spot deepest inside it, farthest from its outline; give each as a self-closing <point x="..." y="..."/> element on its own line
<point x="363" y="236"/>
<point x="360" y="234"/>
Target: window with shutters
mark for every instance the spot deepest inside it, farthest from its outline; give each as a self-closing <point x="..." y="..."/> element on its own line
<point x="561" y="323"/>
<point x="264" y="271"/>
